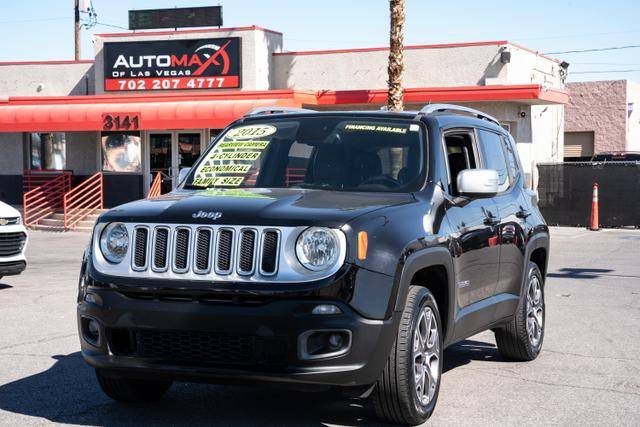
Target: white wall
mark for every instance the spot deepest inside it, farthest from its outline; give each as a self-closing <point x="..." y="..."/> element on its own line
<point x="457" y="66"/>
<point x="11" y="154"/>
<point x="52" y="79"/>
<point x="633" y="119"/>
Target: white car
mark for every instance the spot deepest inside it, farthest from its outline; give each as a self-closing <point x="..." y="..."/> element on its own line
<point x="13" y="241"/>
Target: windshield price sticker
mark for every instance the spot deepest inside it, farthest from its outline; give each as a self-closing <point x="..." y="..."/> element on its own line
<point x="223" y="181"/>
<point x="248" y="132"/>
<point x="235" y="154"/>
<point x="251" y="145"/>
<point x="226" y="169"/>
<point x="375" y="128"/>
<point x="240" y="155"/>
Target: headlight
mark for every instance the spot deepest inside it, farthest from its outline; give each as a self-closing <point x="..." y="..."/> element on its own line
<point x="114" y="242"/>
<point x="19" y="220"/>
<point x="317" y="248"/>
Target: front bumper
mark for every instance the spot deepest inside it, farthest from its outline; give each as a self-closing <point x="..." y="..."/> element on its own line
<point x="11" y="268"/>
<point x="265" y="331"/>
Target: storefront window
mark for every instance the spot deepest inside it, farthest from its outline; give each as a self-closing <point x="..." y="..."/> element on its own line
<point x="121" y="152"/>
<point x="213" y="134"/>
<point x="47" y="150"/>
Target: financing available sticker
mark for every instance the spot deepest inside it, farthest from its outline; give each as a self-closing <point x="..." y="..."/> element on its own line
<point x="235" y="159"/>
<point x="375" y="128"/>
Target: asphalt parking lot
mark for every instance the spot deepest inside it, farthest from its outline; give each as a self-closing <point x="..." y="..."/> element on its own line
<point x="588" y="372"/>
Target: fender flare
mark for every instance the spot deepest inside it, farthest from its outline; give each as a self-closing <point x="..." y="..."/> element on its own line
<point x="429" y="257"/>
<point x="540" y="240"/>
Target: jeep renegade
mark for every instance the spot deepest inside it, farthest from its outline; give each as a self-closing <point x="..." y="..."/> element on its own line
<point x="323" y="249"/>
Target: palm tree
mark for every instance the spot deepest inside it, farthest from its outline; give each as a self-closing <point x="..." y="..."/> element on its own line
<point x="395" y="70"/>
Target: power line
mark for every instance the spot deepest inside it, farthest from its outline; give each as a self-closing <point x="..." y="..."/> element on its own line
<point x="601" y="49"/>
<point x="605" y="71"/>
<point x="569" y="36"/>
<point x="111" y="25"/>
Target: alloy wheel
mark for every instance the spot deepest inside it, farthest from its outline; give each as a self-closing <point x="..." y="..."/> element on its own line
<point x="535" y="311"/>
<point x="426" y="356"/>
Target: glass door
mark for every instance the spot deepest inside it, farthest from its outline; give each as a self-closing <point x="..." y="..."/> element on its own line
<point x="189" y="147"/>
<point x="161" y="158"/>
<point x="170" y="151"/>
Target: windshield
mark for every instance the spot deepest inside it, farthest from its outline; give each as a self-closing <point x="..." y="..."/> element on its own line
<point x="331" y="153"/>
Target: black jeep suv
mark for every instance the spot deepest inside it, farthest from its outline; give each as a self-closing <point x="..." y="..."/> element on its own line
<point x="331" y="249"/>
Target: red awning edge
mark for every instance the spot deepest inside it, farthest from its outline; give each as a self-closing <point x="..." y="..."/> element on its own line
<point x="217" y="110"/>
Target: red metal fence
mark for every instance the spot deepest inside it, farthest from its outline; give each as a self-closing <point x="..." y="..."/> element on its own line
<point x="83" y="200"/>
<point x="43" y="200"/>
<point x="156" y="187"/>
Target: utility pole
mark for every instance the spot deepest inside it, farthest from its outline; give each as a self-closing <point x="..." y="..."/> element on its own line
<point x="396" y="55"/>
<point x="395" y="69"/>
<point x="76" y="11"/>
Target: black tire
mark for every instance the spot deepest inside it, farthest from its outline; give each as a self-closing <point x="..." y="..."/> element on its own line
<point x="395" y="398"/>
<point x="132" y="390"/>
<point x="513" y="340"/>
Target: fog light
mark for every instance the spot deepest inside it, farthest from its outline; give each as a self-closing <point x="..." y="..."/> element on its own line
<point x="323" y="309"/>
<point x="335" y="341"/>
<point x="94" y="328"/>
<point x="321" y="344"/>
<point x="91" y="331"/>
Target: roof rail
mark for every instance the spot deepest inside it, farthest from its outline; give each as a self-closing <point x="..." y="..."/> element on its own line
<point x="441" y="108"/>
<point x="275" y="110"/>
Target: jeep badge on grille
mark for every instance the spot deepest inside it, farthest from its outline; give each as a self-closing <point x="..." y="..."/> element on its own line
<point x="205" y="214"/>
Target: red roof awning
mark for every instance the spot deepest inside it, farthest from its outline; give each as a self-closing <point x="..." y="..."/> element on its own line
<point x="155" y="112"/>
<point x="206" y="110"/>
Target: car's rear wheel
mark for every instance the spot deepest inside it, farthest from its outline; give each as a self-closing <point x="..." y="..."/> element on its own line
<point x="407" y="390"/>
<point x="521" y="339"/>
<point x="132" y="390"/>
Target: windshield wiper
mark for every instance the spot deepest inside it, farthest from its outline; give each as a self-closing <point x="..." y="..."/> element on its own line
<point x="194" y="187"/>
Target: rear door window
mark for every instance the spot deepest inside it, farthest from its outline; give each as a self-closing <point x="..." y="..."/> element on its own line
<point x="494" y="157"/>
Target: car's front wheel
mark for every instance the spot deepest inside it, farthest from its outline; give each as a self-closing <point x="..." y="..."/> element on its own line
<point x="132" y="390"/>
<point x="407" y="390"/>
<point x="521" y="338"/>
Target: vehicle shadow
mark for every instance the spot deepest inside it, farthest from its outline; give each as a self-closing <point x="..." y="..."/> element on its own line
<point x="465" y="352"/>
<point x="579" y="273"/>
<point x="68" y="393"/>
<point x="5" y="286"/>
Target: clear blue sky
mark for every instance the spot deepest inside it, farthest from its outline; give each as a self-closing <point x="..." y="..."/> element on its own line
<point x="43" y="29"/>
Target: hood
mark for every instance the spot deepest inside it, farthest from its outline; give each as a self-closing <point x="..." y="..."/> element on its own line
<point x="255" y="206"/>
<point x="7" y="211"/>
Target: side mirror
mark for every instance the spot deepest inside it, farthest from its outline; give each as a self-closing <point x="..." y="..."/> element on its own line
<point x="182" y="175"/>
<point x="478" y="182"/>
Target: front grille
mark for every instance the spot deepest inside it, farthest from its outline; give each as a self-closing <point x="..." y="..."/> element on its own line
<point x="224" y="251"/>
<point x="181" y="250"/>
<point x="246" y="252"/>
<point x="9" y="221"/>
<point x="203" y="251"/>
<point x="140" y="243"/>
<point x="12" y="243"/>
<point x="270" y="242"/>
<point x="206" y="250"/>
<point x="161" y="249"/>
<point x="198" y="347"/>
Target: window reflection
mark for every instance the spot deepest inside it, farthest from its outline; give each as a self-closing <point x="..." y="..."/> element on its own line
<point x="48" y="150"/>
<point x="121" y="152"/>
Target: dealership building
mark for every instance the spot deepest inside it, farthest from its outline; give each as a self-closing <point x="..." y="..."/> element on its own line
<point x="150" y="102"/>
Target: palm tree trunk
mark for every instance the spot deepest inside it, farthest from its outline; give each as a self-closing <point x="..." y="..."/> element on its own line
<point x="395" y="70"/>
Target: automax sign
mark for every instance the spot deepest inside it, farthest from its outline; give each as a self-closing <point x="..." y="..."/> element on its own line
<point x="172" y="64"/>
